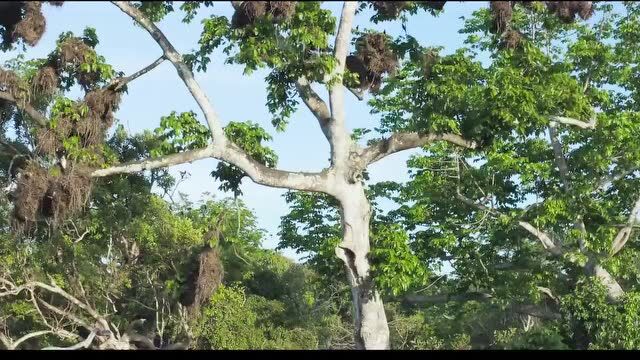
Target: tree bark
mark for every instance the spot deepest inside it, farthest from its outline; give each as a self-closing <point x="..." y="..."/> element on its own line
<point x="614" y="290"/>
<point x="371" y="328"/>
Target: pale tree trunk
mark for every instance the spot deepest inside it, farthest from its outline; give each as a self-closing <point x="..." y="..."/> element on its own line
<point x="371" y="327"/>
<point x="592" y="268"/>
<point x="372" y="330"/>
<point x="614" y="290"/>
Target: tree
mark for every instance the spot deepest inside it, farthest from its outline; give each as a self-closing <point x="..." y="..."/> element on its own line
<point x="538" y="173"/>
<point x="292" y="40"/>
<point x="550" y="199"/>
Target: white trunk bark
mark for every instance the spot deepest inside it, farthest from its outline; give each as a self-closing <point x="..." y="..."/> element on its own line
<point x="371" y="328"/>
<point x="614" y="290"/>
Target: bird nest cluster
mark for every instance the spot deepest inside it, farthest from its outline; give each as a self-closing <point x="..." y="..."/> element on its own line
<point x="567" y="10"/>
<point x="70" y="54"/>
<point x="91" y="117"/>
<point x="204" y="278"/>
<point x="249" y="12"/>
<point x="58" y="191"/>
<point x="98" y="107"/>
<point x="372" y="59"/>
<point x="53" y="194"/>
<point x="23" y="20"/>
<point x="502" y="13"/>
<point x="11" y="83"/>
<point x="388" y="10"/>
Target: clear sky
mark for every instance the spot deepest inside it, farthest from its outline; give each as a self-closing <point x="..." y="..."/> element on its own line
<point x="236" y="97"/>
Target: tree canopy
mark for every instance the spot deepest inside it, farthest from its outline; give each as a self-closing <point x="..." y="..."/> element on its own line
<point x="517" y="228"/>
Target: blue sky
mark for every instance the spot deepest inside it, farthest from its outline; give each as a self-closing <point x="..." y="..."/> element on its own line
<point x="236" y="97"/>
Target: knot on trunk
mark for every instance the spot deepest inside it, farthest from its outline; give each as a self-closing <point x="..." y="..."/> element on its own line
<point x="357" y="166"/>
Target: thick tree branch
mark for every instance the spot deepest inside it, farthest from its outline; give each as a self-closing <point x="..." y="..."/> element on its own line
<point x="261" y="174"/>
<point x="65" y="314"/>
<point x="81" y="345"/>
<point x="315" y="103"/>
<point x="544" y="239"/>
<point x="155" y="163"/>
<point x="536" y="311"/>
<point x="183" y="70"/>
<point x="472" y="203"/>
<point x="404" y="141"/>
<point x="13" y="290"/>
<point x="221" y="148"/>
<point x="14" y="345"/>
<point x="359" y="94"/>
<point x="625" y="233"/>
<point x="569" y="121"/>
<point x="57" y="290"/>
<point x="338" y="135"/>
<point x="5" y="341"/>
<point x="27" y="108"/>
<point x="232" y="154"/>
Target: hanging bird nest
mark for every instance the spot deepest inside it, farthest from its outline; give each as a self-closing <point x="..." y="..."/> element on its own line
<point x="206" y="275"/>
<point x="88" y="80"/>
<point x="10" y="82"/>
<point x="281" y="11"/>
<point x="10" y="16"/>
<point x="511" y="39"/>
<point x="567" y="10"/>
<point x="66" y="195"/>
<point x="72" y="51"/>
<point x="373" y="58"/>
<point x="32" y="25"/>
<point x="7" y="109"/>
<point x="501" y="14"/>
<point x="90" y="131"/>
<point x="429" y="59"/>
<point x="32" y="184"/>
<point x="23" y="20"/>
<point x="102" y="103"/>
<point x="91" y="128"/>
<point x="46" y="81"/>
<point x="250" y="11"/>
<point x="389" y="9"/>
<point x="42" y="194"/>
<point x="48" y="143"/>
<point x="373" y="49"/>
<point x="435" y="5"/>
